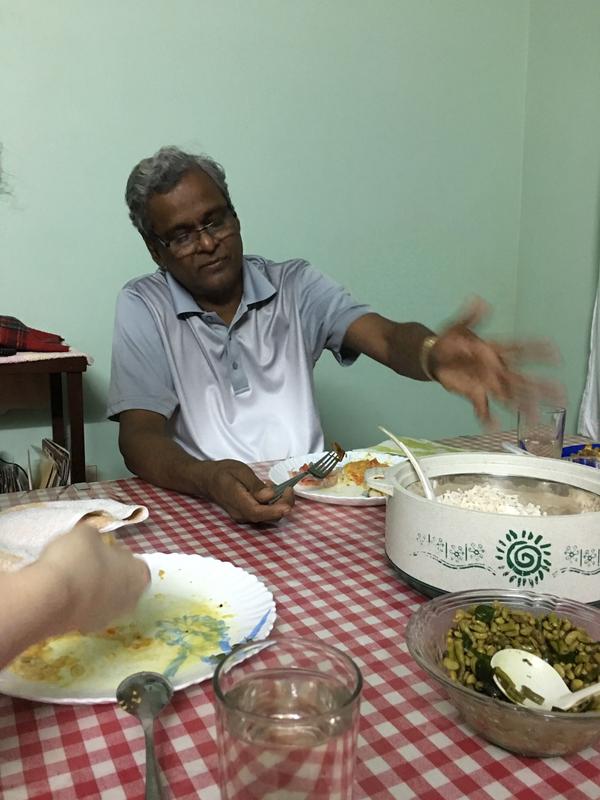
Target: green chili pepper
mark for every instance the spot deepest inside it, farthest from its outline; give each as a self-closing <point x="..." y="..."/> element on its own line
<point x="509" y="687"/>
<point x="484" y="671"/>
<point x="533" y="696"/>
<point x="484" y="613"/>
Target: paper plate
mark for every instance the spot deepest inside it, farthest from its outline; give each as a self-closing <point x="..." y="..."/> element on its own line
<point x="194" y="610"/>
<point x="348" y="496"/>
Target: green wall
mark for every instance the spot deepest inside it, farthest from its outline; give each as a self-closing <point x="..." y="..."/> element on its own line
<point x="560" y="229"/>
<point x="384" y="141"/>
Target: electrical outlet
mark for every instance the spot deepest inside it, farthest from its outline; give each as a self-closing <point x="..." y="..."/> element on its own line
<point x="91" y="473"/>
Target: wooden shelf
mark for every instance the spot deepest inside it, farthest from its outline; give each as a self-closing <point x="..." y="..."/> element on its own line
<point x="55" y="367"/>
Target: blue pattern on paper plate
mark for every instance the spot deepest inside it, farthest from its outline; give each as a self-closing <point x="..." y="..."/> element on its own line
<point x="194" y="634"/>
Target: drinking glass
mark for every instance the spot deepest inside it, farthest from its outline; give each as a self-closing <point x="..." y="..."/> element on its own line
<point x="542" y="435"/>
<point x="287" y="721"/>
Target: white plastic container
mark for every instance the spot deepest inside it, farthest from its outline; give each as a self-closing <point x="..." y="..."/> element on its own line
<point x="441" y="548"/>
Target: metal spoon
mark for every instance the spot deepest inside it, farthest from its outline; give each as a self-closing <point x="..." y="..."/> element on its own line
<point x="427" y="487"/>
<point x="145" y="694"/>
<point x="533" y="677"/>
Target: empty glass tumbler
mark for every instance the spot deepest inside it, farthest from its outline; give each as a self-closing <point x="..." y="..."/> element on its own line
<point x="287" y="720"/>
<point x="542" y="435"/>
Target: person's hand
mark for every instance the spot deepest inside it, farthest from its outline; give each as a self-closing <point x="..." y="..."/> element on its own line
<point x="101" y="580"/>
<point x="482" y="370"/>
<point x="242" y="494"/>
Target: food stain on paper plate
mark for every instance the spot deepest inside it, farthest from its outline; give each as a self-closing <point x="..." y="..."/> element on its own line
<point x="165" y="634"/>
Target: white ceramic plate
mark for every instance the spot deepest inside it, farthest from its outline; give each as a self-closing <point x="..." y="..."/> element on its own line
<point x="346" y="496"/>
<point x="194" y="609"/>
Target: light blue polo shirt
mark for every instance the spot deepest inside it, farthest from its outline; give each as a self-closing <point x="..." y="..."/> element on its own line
<point x="242" y="391"/>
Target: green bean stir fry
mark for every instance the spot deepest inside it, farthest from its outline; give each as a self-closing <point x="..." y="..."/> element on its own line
<point x="480" y="631"/>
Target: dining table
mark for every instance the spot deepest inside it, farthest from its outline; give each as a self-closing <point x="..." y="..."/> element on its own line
<point x="327" y="569"/>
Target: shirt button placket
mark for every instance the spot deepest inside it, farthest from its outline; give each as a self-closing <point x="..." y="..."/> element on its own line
<point x="239" y="380"/>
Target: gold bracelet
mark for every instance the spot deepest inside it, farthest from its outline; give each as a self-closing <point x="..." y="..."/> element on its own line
<point x="429" y="343"/>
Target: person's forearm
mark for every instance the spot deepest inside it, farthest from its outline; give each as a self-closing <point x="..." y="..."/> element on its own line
<point x="157" y="459"/>
<point x="150" y="453"/>
<point x="35" y="605"/>
<point x="397" y="345"/>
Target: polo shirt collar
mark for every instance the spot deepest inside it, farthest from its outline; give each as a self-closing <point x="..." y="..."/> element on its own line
<point x="183" y="302"/>
<point x="257" y="289"/>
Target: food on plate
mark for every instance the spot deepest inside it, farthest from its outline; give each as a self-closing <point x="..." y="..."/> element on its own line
<point x="349" y="476"/>
<point x="589" y="451"/>
<point x="165" y="634"/>
<point x="478" y="632"/>
<point x="353" y="473"/>
<point x="589" y="455"/>
<point x="310" y="482"/>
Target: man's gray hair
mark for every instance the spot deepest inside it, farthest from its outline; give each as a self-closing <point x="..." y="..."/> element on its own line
<point x="162" y="172"/>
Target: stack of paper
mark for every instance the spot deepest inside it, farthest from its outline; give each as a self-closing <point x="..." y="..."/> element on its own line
<point x="47" y="466"/>
<point x="53" y="466"/>
<point x="13" y="478"/>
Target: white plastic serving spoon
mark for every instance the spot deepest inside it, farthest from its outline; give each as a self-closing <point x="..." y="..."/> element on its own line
<point x="527" y="670"/>
<point x="512" y="448"/>
<point x="427" y="487"/>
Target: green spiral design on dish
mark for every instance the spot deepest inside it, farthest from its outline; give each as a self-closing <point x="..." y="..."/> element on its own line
<point x="525" y="557"/>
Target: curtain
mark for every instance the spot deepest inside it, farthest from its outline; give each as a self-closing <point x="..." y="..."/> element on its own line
<point x="589" y="412"/>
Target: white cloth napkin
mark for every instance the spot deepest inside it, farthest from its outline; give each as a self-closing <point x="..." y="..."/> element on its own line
<point x="26" y="529"/>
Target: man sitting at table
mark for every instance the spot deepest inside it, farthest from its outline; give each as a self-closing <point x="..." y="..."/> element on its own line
<point x="213" y="353"/>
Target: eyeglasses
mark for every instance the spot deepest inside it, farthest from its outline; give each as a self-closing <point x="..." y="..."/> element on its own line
<point x="184" y="242"/>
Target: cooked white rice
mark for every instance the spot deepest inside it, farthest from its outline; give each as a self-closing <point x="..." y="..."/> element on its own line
<point x="491" y="499"/>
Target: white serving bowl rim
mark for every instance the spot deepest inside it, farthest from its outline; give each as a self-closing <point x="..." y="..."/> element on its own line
<point x="501" y="460"/>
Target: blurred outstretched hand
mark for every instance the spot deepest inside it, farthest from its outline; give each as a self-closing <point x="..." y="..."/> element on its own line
<point x="485" y="370"/>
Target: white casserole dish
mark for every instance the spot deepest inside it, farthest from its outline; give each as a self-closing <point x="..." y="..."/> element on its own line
<point x="441" y="548"/>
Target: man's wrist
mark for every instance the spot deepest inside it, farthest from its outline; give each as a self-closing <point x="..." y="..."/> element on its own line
<point x="427" y="346"/>
<point x="201" y="476"/>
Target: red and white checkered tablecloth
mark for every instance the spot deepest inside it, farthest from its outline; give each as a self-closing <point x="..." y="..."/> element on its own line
<point x="328" y="572"/>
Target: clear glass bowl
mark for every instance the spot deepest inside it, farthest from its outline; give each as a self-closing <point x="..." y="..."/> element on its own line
<point x="525" y="731"/>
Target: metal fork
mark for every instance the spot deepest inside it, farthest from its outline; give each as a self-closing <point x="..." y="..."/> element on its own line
<point x="320" y="469"/>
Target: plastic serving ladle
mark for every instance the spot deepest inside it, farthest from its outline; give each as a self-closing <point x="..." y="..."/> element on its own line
<point x="427" y="487"/>
<point x="531" y="676"/>
<point x="512" y="448"/>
